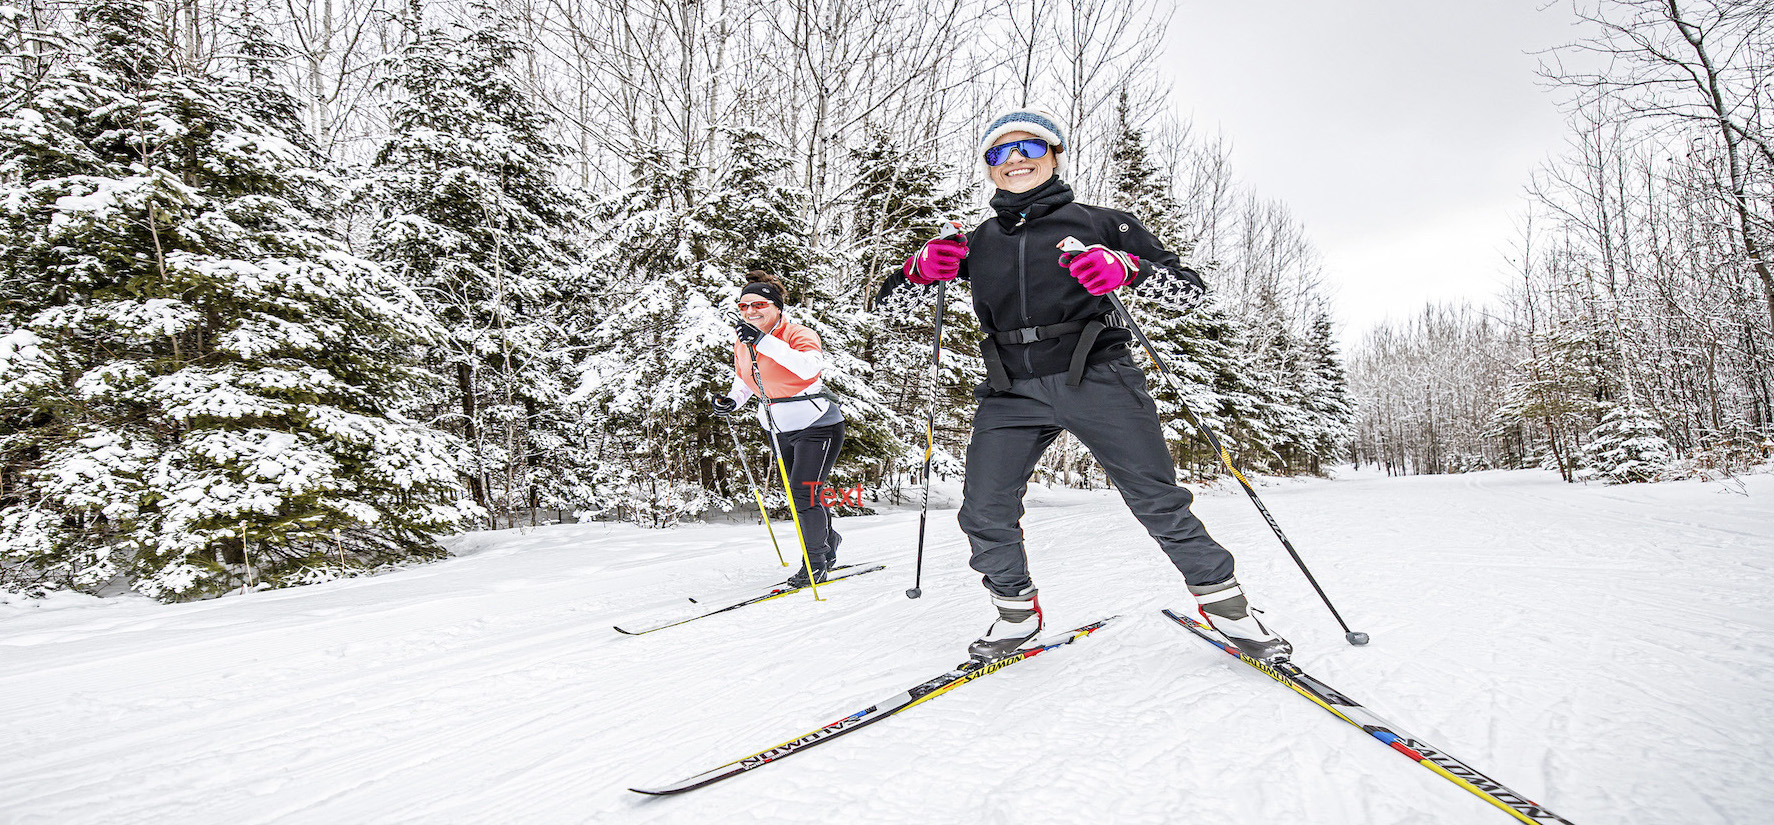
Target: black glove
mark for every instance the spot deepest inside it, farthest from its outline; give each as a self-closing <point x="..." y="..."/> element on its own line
<point x="748" y="334"/>
<point x="724" y="406"/>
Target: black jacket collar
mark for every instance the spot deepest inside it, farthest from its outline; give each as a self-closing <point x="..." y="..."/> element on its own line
<point x="1014" y="208"/>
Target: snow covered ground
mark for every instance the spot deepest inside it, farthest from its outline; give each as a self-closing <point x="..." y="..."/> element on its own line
<point x="1607" y="651"/>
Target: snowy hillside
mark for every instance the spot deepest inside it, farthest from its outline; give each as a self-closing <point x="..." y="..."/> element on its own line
<point x="1606" y="651"/>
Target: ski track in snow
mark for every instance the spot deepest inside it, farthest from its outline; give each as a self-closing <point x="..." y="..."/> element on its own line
<point x="1603" y="650"/>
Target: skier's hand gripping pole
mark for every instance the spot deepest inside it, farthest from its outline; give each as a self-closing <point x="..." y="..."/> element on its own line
<point x="950" y="229"/>
<point x="1072" y="246"/>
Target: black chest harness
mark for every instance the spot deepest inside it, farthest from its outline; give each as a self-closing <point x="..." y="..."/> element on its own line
<point x="825" y="394"/>
<point x="1087" y="331"/>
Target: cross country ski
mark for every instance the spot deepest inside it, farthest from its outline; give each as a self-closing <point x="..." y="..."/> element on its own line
<point x="1348" y="710"/>
<point x="967" y="672"/>
<point x="775" y="591"/>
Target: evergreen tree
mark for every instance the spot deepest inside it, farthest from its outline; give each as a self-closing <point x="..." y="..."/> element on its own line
<point x="1628" y="446"/>
<point x="196" y="371"/>
<point x="1301" y="414"/>
<point x="755" y="214"/>
<point x="1325" y="411"/>
<point x="1270" y="414"/>
<point x="468" y="212"/>
<point x="679" y="241"/>
<point x="662" y="346"/>
<point x="898" y="207"/>
<point x="1557" y="391"/>
<point x="1198" y="343"/>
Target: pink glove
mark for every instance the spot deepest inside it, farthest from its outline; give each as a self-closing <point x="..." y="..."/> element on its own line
<point x="939" y="260"/>
<point x="1100" y="269"/>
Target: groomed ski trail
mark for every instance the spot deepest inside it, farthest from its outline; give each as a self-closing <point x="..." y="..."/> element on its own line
<point x="1520" y="622"/>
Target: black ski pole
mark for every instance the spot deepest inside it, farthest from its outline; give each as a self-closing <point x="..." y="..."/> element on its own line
<point x="1073" y="245"/>
<point x="950" y="229"/>
<point x="757" y="492"/>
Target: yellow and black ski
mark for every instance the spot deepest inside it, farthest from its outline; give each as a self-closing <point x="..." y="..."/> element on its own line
<point x="1348" y="710"/>
<point x="872" y="714"/>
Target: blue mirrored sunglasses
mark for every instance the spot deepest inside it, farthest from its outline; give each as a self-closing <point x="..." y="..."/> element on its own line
<point x="1030" y="148"/>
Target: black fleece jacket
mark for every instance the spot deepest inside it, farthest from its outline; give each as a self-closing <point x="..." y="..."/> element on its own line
<point x="1013" y="266"/>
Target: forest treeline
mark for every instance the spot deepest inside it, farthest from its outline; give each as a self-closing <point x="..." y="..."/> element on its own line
<point x="291" y="289"/>
<point x="1637" y="339"/>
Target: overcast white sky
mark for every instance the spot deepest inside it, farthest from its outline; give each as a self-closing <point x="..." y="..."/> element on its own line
<point x="1399" y="132"/>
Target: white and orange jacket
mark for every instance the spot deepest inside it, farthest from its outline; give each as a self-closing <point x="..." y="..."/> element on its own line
<point x="790" y="359"/>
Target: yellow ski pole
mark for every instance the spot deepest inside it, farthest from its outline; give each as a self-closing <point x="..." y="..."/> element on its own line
<point x="757" y="492"/>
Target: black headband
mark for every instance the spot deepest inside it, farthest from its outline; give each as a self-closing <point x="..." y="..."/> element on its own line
<point x="767" y="290"/>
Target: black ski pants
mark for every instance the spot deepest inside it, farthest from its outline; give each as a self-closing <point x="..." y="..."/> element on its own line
<point x="1111" y="413"/>
<point x="810" y="454"/>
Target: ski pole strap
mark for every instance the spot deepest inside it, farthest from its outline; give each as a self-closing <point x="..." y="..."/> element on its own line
<point x="1087" y="331"/>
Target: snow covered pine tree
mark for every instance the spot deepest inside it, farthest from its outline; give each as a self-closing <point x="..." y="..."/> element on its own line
<point x="193" y="364"/>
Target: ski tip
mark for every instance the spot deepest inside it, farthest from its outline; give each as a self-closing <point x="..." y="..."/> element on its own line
<point x="625" y="633"/>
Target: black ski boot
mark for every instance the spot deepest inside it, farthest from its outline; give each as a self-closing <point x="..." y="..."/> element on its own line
<point x="1225" y="609"/>
<point x="801" y="579"/>
<point x="1019" y="621"/>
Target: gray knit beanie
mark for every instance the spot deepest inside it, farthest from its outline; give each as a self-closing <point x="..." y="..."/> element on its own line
<point x="1038" y="122"/>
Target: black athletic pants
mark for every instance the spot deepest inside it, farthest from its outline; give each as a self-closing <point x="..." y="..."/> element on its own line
<point x="1111" y="413"/>
<point x="810" y="454"/>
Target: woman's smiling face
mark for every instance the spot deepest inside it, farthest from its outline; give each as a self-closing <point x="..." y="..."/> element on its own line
<point x="759" y="312"/>
<point x="1020" y="174"/>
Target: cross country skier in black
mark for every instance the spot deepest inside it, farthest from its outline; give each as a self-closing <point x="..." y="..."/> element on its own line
<point x="1057" y="360"/>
